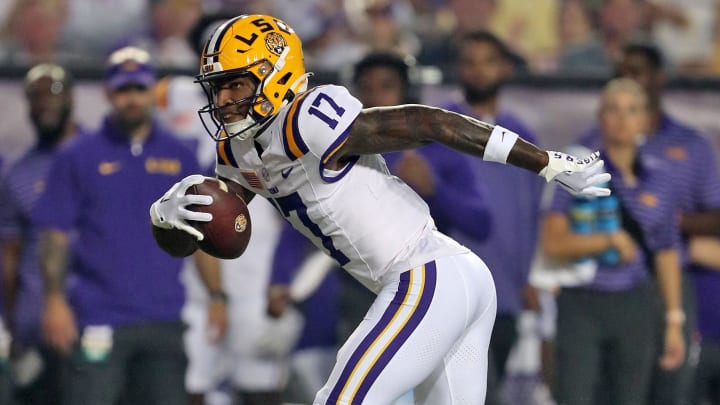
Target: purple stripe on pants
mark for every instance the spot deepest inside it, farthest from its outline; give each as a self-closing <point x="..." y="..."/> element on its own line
<point x="393" y="346"/>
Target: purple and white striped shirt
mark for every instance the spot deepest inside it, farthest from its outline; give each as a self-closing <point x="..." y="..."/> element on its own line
<point x="696" y="179"/>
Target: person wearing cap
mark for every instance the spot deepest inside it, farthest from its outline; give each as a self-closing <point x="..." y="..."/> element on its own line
<point x="49" y="94"/>
<point x="112" y="298"/>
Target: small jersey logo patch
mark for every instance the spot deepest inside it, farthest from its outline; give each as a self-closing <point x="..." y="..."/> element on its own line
<point x="240" y="223"/>
<point x="676" y="153"/>
<point x="163" y="166"/>
<point x="648" y="199"/>
<point x="108" y="168"/>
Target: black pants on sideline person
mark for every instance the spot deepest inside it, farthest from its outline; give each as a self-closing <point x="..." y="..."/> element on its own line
<point x="605" y="334"/>
<point x="146" y="365"/>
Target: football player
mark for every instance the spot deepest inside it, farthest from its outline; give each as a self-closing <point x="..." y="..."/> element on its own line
<point x="315" y="155"/>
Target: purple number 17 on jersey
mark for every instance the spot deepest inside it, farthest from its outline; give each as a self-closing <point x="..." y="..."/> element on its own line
<point x="293" y="202"/>
<point x="315" y="110"/>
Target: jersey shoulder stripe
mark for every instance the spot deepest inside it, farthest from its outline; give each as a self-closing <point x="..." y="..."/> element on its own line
<point x="336" y="145"/>
<point x="330" y="153"/>
<point x="225" y="155"/>
<point x="323" y="123"/>
<point x="294" y="146"/>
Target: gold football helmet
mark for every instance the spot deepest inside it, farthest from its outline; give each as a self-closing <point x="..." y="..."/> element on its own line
<point x="268" y="51"/>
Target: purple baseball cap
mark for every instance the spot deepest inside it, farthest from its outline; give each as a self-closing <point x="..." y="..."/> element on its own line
<point x="130" y="65"/>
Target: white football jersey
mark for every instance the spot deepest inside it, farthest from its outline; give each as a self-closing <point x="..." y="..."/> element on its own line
<point x="361" y="215"/>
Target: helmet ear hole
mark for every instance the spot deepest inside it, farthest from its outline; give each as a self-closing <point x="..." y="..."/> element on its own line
<point x="285" y="78"/>
<point x="283" y="81"/>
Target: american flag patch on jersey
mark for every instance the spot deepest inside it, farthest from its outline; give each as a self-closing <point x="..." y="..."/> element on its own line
<point x="252" y="178"/>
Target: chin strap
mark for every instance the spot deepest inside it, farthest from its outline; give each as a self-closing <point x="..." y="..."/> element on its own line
<point x="243" y="129"/>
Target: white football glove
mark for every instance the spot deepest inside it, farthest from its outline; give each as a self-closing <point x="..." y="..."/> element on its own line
<point x="170" y="210"/>
<point x="579" y="176"/>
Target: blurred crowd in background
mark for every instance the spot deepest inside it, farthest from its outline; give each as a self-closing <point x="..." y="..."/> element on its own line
<point x="546" y="36"/>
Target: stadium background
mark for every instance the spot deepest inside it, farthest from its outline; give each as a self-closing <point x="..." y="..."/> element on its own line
<point x="567" y="105"/>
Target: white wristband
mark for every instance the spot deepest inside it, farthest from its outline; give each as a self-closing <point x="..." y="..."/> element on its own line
<point x="499" y="145"/>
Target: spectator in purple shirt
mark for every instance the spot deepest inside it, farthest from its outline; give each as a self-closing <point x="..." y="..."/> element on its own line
<point x="697" y="189"/>
<point x="699" y="194"/>
<point x="483" y="66"/>
<point x="437" y="174"/>
<point x="611" y="321"/>
<point x="49" y="93"/>
<point x="115" y="317"/>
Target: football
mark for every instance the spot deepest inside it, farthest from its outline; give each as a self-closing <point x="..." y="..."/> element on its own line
<point x="228" y="234"/>
<point x="175" y="242"/>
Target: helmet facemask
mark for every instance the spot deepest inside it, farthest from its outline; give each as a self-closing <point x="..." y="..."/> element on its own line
<point x="259" y="109"/>
<point x="264" y="49"/>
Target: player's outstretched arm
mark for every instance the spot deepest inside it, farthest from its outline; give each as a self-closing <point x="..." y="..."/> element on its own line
<point x="385" y="129"/>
